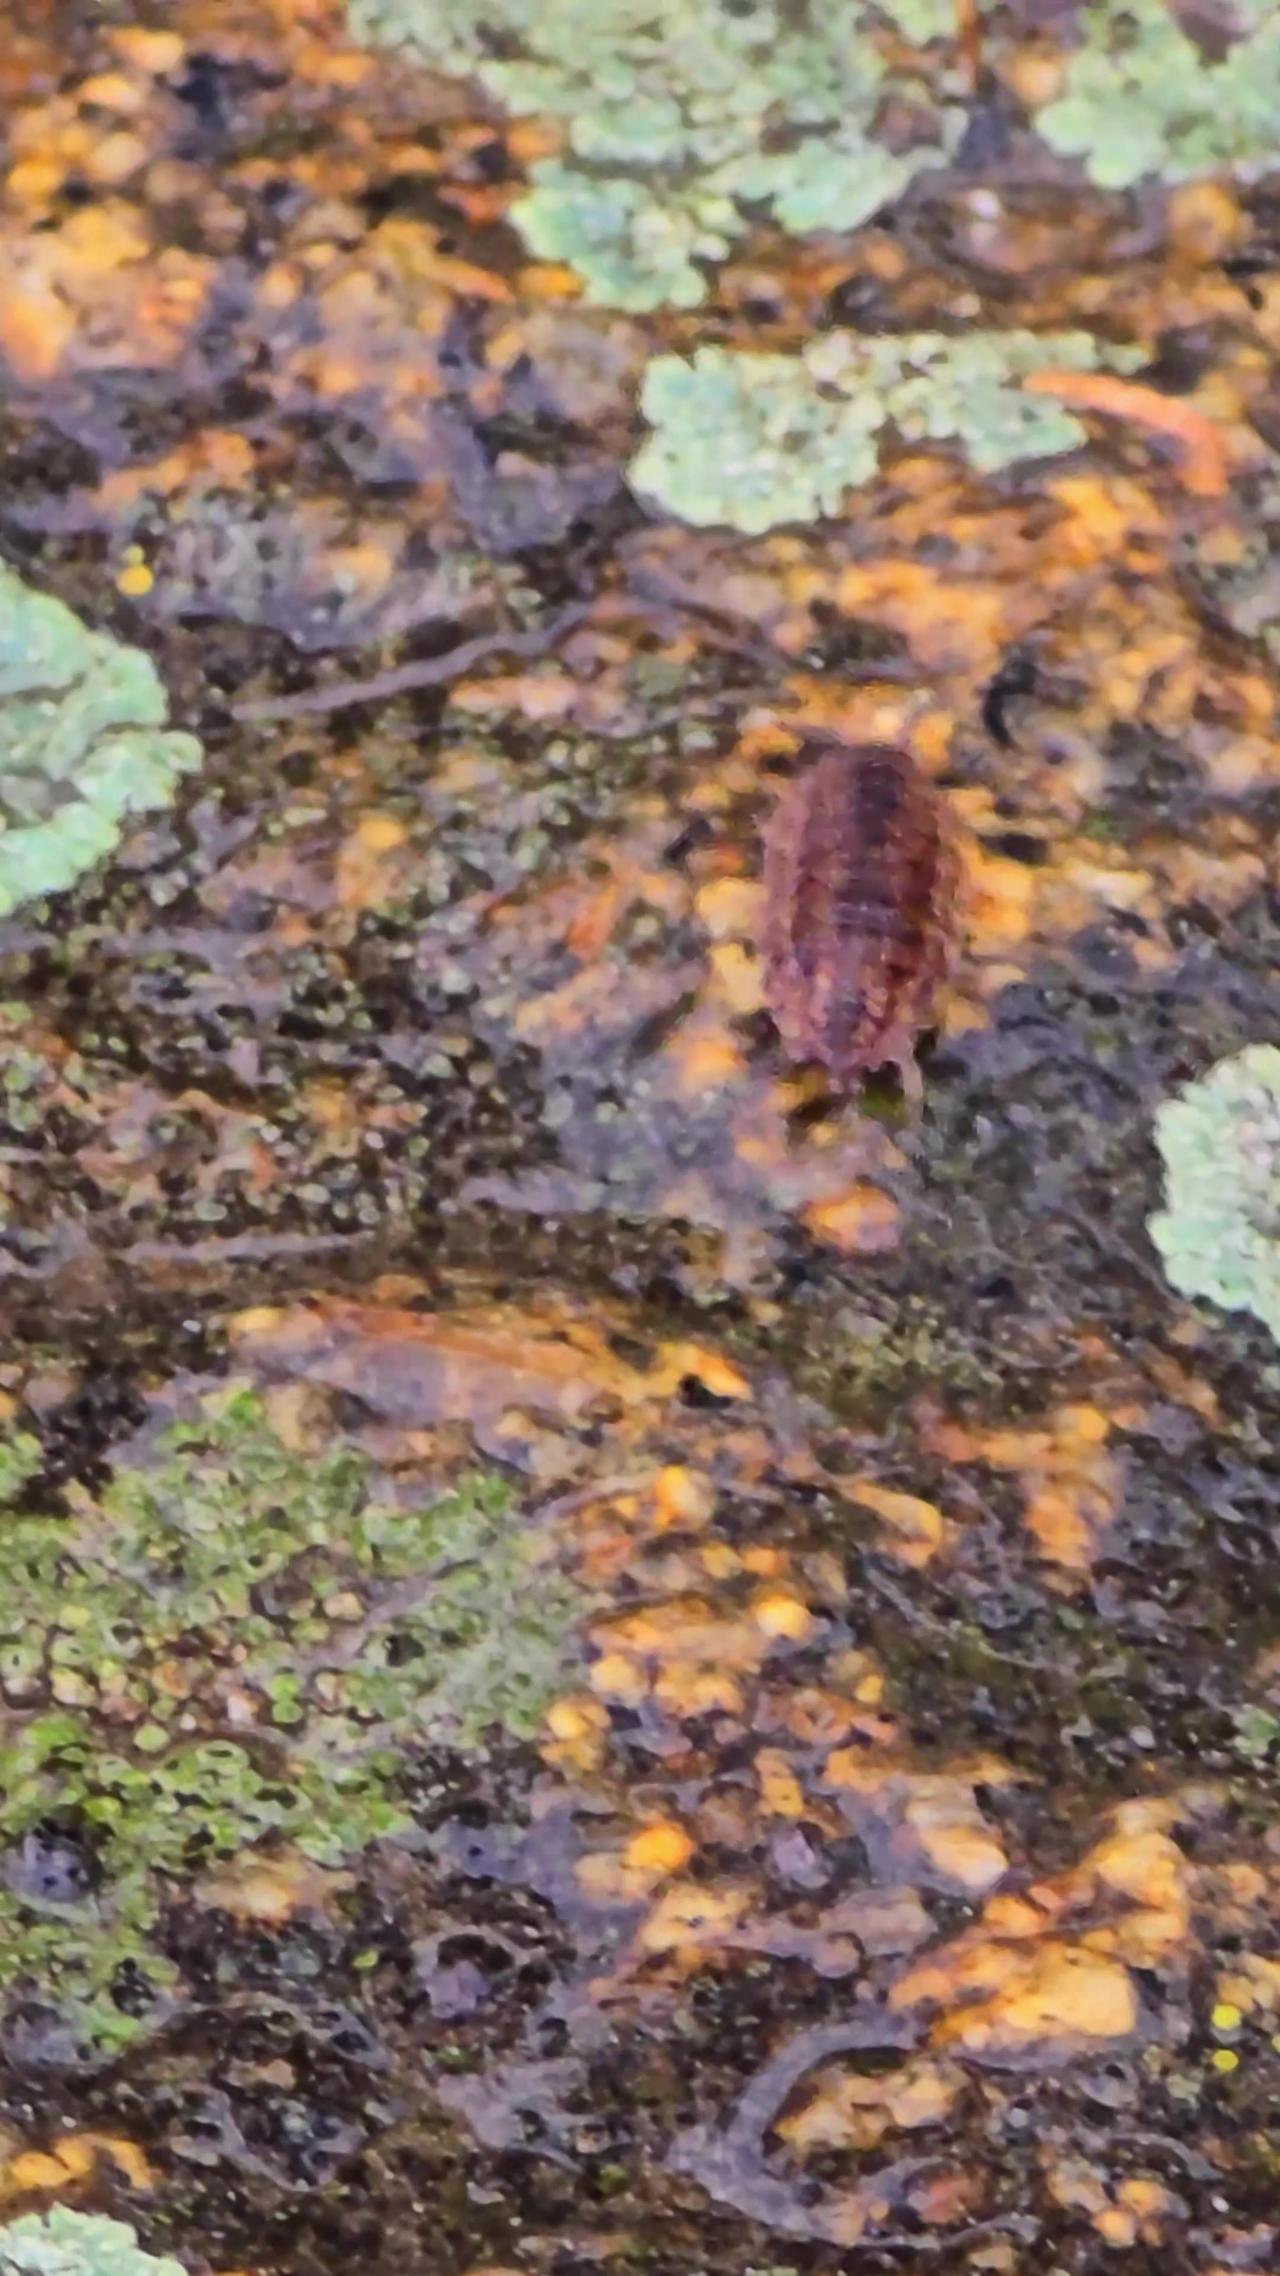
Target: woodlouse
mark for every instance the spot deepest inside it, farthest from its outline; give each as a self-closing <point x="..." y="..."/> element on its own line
<point x="861" y="876"/>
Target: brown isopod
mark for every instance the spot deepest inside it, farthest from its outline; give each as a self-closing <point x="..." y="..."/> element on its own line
<point x="861" y="876"/>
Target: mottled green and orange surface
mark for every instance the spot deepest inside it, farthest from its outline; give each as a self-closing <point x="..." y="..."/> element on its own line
<point x="892" y="1862"/>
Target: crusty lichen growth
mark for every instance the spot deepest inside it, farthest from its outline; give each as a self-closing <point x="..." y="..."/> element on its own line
<point x="1142" y="98"/>
<point x="83" y="744"/>
<point x="63" y="2242"/>
<point x="236" y="1643"/>
<point x="679" y="114"/>
<point x="751" y="441"/>
<point x="1219" y="1233"/>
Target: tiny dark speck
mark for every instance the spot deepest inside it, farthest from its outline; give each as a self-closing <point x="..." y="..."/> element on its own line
<point x="1020" y="845"/>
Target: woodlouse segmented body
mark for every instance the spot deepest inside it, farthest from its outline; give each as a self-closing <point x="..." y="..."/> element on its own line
<point x="861" y="875"/>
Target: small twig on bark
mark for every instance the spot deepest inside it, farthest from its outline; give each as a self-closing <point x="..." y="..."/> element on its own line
<point x="425" y="672"/>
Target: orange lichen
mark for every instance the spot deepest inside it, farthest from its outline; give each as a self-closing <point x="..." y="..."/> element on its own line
<point x="1202" y="445"/>
<point x="849" y="2111"/>
<point x="659" y="1849"/>
<point x="914" y="1530"/>
<point x="781" y="1793"/>
<point x="72" y="2159"/>
<point x="1072" y="1481"/>
<point x="1000" y="2000"/>
<point x="857" y="1223"/>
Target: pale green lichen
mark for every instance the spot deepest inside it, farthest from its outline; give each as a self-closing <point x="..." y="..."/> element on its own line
<point x="1219" y="1233"/>
<point x="637" y="250"/>
<point x="922" y="20"/>
<point x="237" y="1643"/>
<point x="752" y="441"/>
<point x="63" y="2242"/>
<point x="83" y="744"/>
<point x="681" y="115"/>
<point x="1143" y="99"/>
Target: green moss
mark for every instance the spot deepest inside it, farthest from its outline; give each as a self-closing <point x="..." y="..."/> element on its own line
<point x="1219" y="1234"/>
<point x="239" y="1643"/>
<point x="1256" y="1732"/>
<point x="20" y="1461"/>
<point x="756" y="440"/>
<point x="1141" y="98"/>
<point x="65" y="2243"/>
<point x="682" y="114"/>
<point x="83" y="745"/>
